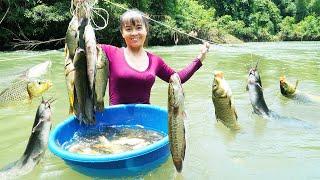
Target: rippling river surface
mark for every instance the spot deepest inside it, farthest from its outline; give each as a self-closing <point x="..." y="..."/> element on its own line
<point x="263" y="149"/>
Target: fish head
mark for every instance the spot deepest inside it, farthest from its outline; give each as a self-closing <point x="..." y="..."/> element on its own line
<point x="285" y="87"/>
<point x="254" y="77"/>
<point x="38" y="87"/>
<point x="220" y="87"/>
<point x="44" y="109"/>
<point x="176" y="90"/>
<point x="43" y="117"/>
<point x="283" y="82"/>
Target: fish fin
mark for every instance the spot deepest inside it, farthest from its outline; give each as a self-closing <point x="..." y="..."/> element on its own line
<point x="3" y="91"/>
<point x="184" y="113"/>
<point x="259" y="85"/>
<point x="184" y="144"/>
<point x="225" y="95"/>
<point x="99" y="106"/>
<point x="256" y="67"/>
<point x="247" y="87"/>
<point x="35" y="127"/>
<point x="35" y="157"/>
<point x="66" y="51"/>
<point x="235" y="113"/>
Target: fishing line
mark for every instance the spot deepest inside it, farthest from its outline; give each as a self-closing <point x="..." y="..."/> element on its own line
<point x="182" y="32"/>
<point x="165" y="25"/>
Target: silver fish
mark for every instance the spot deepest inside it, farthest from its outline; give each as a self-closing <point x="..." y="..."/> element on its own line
<point x="83" y="105"/>
<point x="254" y="87"/>
<point x="36" y="146"/>
<point x="91" y="55"/>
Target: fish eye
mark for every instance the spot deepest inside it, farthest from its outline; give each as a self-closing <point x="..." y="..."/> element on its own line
<point x="39" y="82"/>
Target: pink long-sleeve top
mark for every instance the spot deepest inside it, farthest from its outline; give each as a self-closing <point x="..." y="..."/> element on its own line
<point x="128" y="85"/>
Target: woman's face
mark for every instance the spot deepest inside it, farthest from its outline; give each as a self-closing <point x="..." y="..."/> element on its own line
<point x="134" y="34"/>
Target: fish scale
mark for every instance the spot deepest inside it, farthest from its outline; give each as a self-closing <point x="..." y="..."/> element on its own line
<point x="16" y="92"/>
<point x="225" y="113"/>
<point x="223" y="102"/>
<point x="177" y="116"/>
<point x="23" y="90"/>
<point x="101" y="79"/>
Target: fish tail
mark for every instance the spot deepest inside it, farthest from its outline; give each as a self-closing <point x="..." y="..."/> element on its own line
<point x="100" y="106"/>
<point x="178" y="164"/>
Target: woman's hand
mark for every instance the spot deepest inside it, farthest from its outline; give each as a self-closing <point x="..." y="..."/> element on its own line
<point x="204" y="50"/>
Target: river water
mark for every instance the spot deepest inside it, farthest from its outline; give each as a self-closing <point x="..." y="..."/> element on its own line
<point x="263" y="149"/>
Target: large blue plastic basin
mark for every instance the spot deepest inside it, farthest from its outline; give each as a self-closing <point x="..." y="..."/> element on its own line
<point x="130" y="163"/>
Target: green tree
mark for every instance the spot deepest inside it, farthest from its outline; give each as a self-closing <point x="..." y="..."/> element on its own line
<point x="264" y="19"/>
<point x="302" y="10"/>
<point x="314" y="7"/>
<point x="286" y="7"/>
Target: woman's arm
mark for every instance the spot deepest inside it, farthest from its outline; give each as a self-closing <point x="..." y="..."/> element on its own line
<point x="165" y="71"/>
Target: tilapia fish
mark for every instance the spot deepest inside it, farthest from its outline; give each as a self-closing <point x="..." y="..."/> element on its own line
<point x="290" y="91"/>
<point x="286" y="88"/>
<point x="24" y="90"/>
<point x="177" y="116"/>
<point x="101" y="79"/>
<point x="83" y="104"/>
<point x="223" y="102"/>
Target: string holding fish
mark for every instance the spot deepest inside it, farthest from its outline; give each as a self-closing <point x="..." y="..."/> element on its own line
<point x="88" y="7"/>
<point x="175" y="38"/>
<point x="105" y="21"/>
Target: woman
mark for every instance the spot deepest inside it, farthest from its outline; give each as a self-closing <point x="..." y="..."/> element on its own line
<point x="132" y="69"/>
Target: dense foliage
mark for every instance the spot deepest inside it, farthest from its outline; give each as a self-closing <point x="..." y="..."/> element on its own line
<point x="248" y="20"/>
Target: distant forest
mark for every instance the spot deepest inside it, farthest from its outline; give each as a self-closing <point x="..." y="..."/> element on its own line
<point x="215" y="20"/>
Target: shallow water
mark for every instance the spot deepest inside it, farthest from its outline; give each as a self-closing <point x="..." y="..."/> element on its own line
<point x="282" y="148"/>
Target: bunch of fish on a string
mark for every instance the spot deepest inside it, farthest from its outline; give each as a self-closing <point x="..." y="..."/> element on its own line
<point x="86" y="66"/>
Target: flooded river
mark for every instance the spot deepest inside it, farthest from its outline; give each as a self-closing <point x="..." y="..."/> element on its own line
<point x="263" y="149"/>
